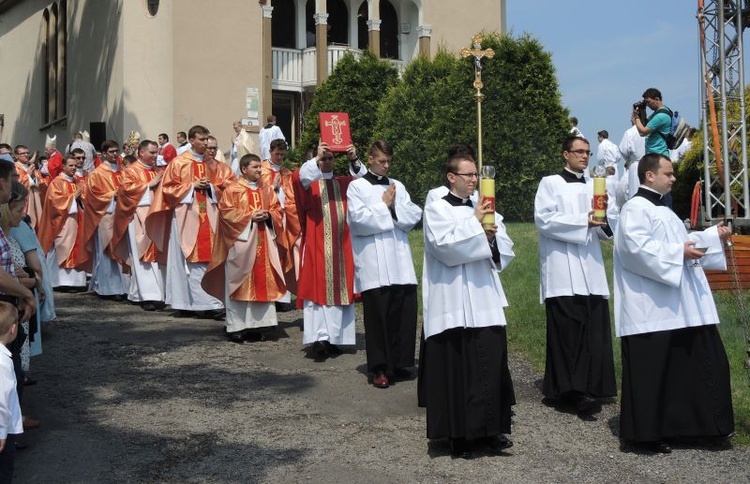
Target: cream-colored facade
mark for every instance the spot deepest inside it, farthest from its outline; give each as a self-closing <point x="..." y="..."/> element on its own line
<point x="112" y="66"/>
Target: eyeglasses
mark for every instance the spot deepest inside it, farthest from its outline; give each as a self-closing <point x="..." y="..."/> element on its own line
<point x="581" y="152"/>
<point x="468" y="176"/>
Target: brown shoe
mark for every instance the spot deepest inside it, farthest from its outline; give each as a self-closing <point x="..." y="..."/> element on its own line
<point x="31" y="424"/>
<point x="381" y="381"/>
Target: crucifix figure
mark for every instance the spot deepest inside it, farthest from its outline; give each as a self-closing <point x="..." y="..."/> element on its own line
<point x="477" y="52"/>
<point x="336" y="124"/>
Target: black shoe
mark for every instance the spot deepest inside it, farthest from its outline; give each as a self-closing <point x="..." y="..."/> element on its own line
<point x="331" y="350"/>
<point x="28" y="381"/>
<point x="236" y="337"/>
<point x="148" y="306"/>
<point x="218" y="314"/>
<point x="461" y="449"/>
<point x="282" y="307"/>
<point x="21" y="446"/>
<point x="499" y="443"/>
<point x="318" y="351"/>
<point x="402" y="374"/>
<point x="659" y="447"/>
<point x="254" y="336"/>
<point x="587" y="405"/>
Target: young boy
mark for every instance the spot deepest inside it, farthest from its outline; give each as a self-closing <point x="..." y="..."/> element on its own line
<point x="250" y="218"/>
<point x="10" y="408"/>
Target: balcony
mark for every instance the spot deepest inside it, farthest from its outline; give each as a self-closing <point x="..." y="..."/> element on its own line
<point x="295" y="70"/>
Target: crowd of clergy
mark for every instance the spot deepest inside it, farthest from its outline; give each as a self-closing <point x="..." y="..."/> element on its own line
<point x="234" y="236"/>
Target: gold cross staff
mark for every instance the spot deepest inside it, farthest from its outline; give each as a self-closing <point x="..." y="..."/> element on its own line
<point x="478" y="54"/>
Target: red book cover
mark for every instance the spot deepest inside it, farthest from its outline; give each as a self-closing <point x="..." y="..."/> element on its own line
<point x="334" y="130"/>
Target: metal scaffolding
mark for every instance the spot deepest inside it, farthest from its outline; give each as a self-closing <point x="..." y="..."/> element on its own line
<point x="725" y="190"/>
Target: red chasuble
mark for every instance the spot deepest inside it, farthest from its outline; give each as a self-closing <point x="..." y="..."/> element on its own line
<point x="251" y="267"/>
<point x="177" y="181"/>
<point x="57" y="227"/>
<point x="100" y="187"/>
<point x="327" y="269"/>
<point x="133" y="184"/>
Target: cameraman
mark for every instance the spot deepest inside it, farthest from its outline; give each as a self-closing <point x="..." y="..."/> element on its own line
<point x="657" y="127"/>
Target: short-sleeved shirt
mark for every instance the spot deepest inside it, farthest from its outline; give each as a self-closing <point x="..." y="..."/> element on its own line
<point x="660" y="125"/>
<point x="25" y="237"/>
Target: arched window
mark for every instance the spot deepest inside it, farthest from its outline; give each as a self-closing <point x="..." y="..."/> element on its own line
<point x="389" y="28"/>
<point x="62" y="59"/>
<point x="54" y="61"/>
<point x="46" y="62"/>
<point x="338" y="19"/>
<point x="153" y="7"/>
<point x="363" y="34"/>
<point x="284" y="15"/>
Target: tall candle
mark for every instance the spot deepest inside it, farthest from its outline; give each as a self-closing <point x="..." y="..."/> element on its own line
<point x="600" y="193"/>
<point x="487" y="192"/>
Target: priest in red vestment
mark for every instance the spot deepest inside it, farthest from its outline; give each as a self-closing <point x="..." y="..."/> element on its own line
<point x="130" y="245"/>
<point x="99" y="192"/>
<point x="30" y="179"/>
<point x="182" y="221"/>
<point x="58" y="228"/>
<point x="325" y="289"/>
<point x="245" y="268"/>
<point x="54" y="157"/>
<point x="280" y="178"/>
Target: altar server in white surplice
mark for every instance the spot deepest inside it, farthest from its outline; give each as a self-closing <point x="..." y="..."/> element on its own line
<point x="580" y="366"/>
<point x="464" y="366"/>
<point x="380" y="215"/>
<point x="675" y="373"/>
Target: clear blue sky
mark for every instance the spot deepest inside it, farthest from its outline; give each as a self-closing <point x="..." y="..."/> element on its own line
<point x="607" y="53"/>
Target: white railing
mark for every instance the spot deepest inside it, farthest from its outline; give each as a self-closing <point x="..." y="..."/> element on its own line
<point x="295" y="69"/>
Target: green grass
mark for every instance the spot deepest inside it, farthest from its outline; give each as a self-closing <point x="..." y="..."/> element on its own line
<point x="526" y="318"/>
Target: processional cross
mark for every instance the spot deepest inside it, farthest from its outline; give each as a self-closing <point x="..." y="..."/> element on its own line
<point x="478" y="54"/>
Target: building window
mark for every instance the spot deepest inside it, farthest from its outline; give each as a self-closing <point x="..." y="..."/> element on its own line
<point x="54" y="60"/>
<point x="152" y="6"/>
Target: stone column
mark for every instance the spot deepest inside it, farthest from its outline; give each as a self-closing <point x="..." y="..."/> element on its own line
<point x="424" y="32"/>
<point x="373" y="31"/>
<point x="321" y="47"/>
<point x="266" y="93"/>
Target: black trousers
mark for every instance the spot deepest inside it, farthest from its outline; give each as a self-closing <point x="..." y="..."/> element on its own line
<point x="390" y="315"/>
<point x="675" y="384"/>
<point x="579" y="347"/>
<point x="7" y="458"/>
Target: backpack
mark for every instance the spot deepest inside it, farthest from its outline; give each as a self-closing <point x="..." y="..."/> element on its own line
<point x="677" y="131"/>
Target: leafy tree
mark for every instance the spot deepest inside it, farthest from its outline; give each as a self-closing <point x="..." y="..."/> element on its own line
<point x="523" y="119"/>
<point x="356" y="87"/>
<point x="419" y="118"/>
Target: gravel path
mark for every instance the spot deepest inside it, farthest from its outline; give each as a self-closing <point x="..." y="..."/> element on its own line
<point x="130" y="396"/>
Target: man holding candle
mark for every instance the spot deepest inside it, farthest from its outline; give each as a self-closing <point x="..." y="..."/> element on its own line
<point x="580" y="366"/>
<point x="464" y="371"/>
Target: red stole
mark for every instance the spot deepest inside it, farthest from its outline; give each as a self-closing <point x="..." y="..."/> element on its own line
<point x="205" y="242"/>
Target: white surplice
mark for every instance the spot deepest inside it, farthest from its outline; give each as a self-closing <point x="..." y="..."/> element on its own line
<point x="380" y="243"/>
<point x="460" y="283"/>
<point x="656" y="288"/>
<point x="570" y="253"/>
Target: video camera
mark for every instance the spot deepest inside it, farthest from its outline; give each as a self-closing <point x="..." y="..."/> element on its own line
<point x="640" y="108"/>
